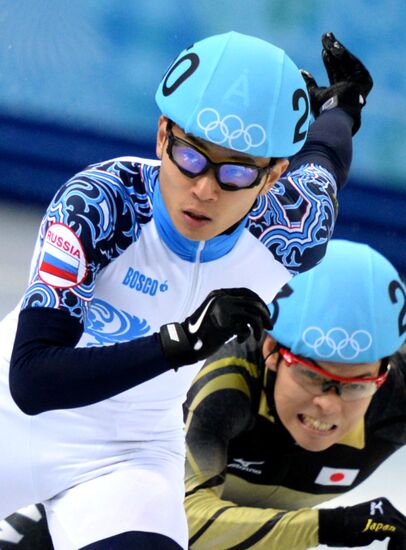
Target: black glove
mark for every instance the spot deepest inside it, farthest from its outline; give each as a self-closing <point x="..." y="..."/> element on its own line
<point x="363" y="523"/>
<point x="26" y="530"/>
<point x="223" y="314"/>
<point x="350" y="82"/>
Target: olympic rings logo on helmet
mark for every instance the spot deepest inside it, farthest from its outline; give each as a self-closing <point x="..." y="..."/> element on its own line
<point x="230" y="130"/>
<point x="337" y="341"/>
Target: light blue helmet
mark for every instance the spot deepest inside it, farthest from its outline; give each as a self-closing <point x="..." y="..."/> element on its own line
<point x="239" y="92"/>
<point x="351" y="308"/>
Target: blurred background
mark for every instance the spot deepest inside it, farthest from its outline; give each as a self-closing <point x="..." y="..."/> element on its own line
<point x="78" y="79"/>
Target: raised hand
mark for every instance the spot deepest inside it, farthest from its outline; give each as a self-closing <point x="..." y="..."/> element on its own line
<point x="350" y="81"/>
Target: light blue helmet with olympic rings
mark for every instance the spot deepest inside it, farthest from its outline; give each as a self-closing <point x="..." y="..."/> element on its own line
<point x="350" y="308"/>
<point x="240" y="92"/>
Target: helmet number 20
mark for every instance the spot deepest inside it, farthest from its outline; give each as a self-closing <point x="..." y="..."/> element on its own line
<point x="299" y="94"/>
<point x="393" y="287"/>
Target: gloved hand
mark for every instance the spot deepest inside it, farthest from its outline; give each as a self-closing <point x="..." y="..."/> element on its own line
<point x="363" y="523"/>
<point x="223" y="314"/>
<point x="26" y="529"/>
<point x="350" y="82"/>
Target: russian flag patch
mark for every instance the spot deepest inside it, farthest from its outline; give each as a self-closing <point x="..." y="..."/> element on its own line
<point x="62" y="262"/>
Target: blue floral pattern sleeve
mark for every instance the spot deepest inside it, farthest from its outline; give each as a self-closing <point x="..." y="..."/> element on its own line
<point x="103" y="207"/>
<point x="296" y="219"/>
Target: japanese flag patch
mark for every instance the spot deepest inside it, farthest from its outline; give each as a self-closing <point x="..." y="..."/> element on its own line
<point x="336" y="476"/>
<point x="62" y="262"/>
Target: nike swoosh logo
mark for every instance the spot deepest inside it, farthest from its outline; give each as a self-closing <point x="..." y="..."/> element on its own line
<point x="194" y="327"/>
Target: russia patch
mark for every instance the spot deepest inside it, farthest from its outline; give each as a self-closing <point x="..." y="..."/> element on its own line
<point x="62" y="262"/>
<point x="336" y="476"/>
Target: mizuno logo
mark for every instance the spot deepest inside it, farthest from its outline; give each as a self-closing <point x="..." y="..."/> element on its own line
<point x="246" y="465"/>
<point x="194" y="327"/>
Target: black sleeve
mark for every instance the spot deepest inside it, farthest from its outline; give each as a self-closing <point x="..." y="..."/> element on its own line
<point x="47" y="372"/>
<point x="328" y="143"/>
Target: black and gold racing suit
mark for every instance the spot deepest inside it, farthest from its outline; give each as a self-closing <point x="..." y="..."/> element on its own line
<point x="248" y="485"/>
